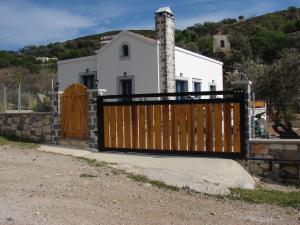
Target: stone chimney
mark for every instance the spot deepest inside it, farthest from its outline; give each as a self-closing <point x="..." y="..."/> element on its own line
<point x="165" y="33"/>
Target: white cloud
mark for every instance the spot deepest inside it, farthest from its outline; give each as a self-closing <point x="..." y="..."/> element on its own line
<point x="25" y="24"/>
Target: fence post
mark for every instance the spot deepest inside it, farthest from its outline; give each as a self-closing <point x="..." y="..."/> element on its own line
<point x="56" y="129"/>
<point x="100" y="113"/>
<point x="93" y="117"/>
<point x="4" y="99"/>
<point x="245" y="85"/>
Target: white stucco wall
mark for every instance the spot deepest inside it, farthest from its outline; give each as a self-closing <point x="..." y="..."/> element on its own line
<point x="68" y="70"/>
<point x="142" y="64"/>
<point x="193" y="65"/>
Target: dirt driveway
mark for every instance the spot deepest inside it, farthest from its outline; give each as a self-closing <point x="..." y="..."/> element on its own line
<point x="44" y="188"/>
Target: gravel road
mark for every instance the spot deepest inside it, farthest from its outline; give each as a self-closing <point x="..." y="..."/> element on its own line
<point x="44" y="188"/>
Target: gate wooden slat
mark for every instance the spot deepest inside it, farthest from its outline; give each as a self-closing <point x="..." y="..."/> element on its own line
<point x="149" y="126"/>
<point x="166" y="136"/>
<point x="208" y="128"/>
<point x="142" y="135"/>
<point x="236" y="127"/>
<point x="200" y="127"/>
<point x="182" y="127"/>
<point x="127" y="130"/>
<point x="227" y="128"/>
<point x="174" y="116"/>
<point x="112" y="126"/>
<point x="120" y="122"/>
<point x="191" y="127"/>
<point x="134" y="119"/>
<point x="218" y="127"/>
<point x="106" y="126"/>
<point x="157" y="126"/>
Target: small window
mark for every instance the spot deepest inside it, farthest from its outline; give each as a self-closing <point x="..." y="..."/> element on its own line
<point x="88" y="81"/>
<point x="222" y="44"/>
<point x="125" y="50"/>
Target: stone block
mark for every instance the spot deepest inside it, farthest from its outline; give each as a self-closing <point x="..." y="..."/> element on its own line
<point x="38" y="131"/>
<point x="48" y="138"/>
<point x="255" y="169"/>
<point x="26" y="126"/>
<point x="265" y="166"/>
<point x="290" y="147"/>
<point x="259" y="149"/>
<point x="290" y="155"/>
<point x="276" y="146"/>
<point x="18" y="133"/>
<point x="26" y="133"/>
<point x="13" y="127"/>
<point x="46" y="121"/>
<point x="47" y="129"/>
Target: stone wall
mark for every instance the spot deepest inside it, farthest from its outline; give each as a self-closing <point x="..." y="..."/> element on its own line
<point x="282" y="151"/>
<point x="34" y="126"/>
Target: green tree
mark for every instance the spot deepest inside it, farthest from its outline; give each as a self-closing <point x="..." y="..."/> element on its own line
<point x="205" y="45"/>
<point x="267" y="44"/>
<point x="281" y="82"/>
<point x="4" y="63"/>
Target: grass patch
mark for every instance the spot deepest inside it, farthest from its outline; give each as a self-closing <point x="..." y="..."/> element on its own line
<point x="138" y="178"/>
<point x="94" y="162"/>
<point x="261" y="195"/>
<point x="17" y="142"/>
<point x="87" y="175"/>
<point x="156" y="183"/>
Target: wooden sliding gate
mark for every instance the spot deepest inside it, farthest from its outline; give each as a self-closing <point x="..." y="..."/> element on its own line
<point x="204" y="123"/>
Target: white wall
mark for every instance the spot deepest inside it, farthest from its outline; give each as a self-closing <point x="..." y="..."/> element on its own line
<point x="143" y="65"/>
<point x="193" y="65"/>
<point x="68" y="70"/>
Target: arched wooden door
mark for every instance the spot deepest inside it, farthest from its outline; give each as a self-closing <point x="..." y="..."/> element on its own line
<point x="74" y="112"/>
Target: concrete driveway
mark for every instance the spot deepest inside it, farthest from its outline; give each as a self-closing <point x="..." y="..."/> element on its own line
<point x="207" y="175"/>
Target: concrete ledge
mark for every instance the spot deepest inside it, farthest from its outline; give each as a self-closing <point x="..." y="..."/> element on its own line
<point x="207" y="175"/>
<point x="274" y="141"/>
<point x="24" y="113"/>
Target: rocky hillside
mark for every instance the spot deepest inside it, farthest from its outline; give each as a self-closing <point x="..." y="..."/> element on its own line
<point x="256" y="43"/>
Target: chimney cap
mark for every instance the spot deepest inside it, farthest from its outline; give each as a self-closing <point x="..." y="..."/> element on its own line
<point x="164" y="9"/>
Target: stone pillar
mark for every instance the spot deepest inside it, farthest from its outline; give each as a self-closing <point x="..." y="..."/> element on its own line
<point x="165" y="34"/>
<point x="93" y="117"/>
<point x="56" y="127"/>
<point x="245" y="85"/>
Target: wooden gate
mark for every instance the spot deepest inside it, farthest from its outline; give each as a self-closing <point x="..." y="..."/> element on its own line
<point x="74" y="112"/>
<point x="211" y="125"/>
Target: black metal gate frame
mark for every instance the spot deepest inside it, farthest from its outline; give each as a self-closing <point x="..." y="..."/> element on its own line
<point x="141" y="99"/>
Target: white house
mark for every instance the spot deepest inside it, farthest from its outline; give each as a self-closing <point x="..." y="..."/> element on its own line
<point x="132" y="63"/>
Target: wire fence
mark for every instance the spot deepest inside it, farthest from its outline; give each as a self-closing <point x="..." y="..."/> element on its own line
<point x="21" y="99"/>
<point x="278" y="120"/>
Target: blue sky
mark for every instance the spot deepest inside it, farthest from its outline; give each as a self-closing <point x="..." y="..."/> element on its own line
<point x="34" y="22"/>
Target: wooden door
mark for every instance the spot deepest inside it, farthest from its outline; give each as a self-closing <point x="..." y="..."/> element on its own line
<point x="74" y="112"/>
